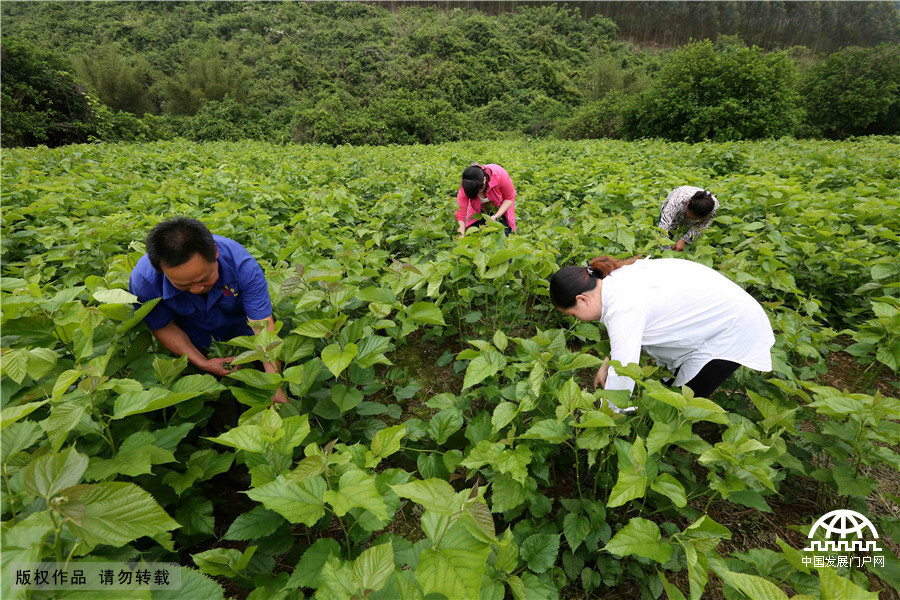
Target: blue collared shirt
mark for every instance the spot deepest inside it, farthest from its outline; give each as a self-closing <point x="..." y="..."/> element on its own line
<point x="241" y="293"/>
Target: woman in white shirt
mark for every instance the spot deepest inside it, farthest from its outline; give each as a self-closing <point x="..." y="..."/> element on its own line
<point x="694" y="321"/>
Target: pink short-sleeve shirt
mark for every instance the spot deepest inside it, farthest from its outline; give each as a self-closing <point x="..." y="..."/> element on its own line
<point x="500" y="188"/>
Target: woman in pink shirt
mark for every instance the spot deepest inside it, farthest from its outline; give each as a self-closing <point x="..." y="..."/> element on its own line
<point x="489" y="183"/>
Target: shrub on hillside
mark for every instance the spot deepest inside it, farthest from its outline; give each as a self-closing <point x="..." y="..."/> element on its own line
<point x="544" y="113"/>
<point x="706" y="94"/>
<point x="42" y="102"/>
<point x="337" y="118"/>
<point x="227" y="119"/>
<point x="45" y="104"/>
<point x="504" y="114"/>
<point x="855" y="91"/>
<point x="599" y="119"/>
<point x="408" y="118"/>
<point x="122" y="126"/>
<point x="118" y="83"/>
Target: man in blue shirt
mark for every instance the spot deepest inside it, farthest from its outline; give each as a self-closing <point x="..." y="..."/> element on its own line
<point x="210" y="286"/>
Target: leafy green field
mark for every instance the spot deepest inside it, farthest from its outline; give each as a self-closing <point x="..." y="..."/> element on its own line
<point x="442" y="440"/>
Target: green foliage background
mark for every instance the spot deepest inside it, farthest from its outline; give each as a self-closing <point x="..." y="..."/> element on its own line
<point x="347" y="72"/>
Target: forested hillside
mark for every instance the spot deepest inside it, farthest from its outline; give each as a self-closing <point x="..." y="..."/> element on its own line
<point x="377" y="74"/>
<point x="820" y="26"/>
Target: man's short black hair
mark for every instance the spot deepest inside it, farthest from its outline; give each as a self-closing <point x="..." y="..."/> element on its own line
<point x="175" y="241"/>
<point x="701" y="203"/>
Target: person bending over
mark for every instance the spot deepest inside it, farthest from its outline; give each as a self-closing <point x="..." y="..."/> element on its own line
<point x="687" y="207"/>
<point x="210" y="287"/>
<point x="694" y="321"/>
<point x="483" y="184"/>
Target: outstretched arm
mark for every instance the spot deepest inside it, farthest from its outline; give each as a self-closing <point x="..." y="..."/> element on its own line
<point x="464" y="211"/>
<point x="626" y="330"/>
<point x="504" y="206"/>
<point x="174" y="339"/>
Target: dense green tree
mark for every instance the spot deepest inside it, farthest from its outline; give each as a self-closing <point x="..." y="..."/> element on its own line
<point x="335" y="118"/>
<point x="706" y="94"/>
<point x="42" y="102"/>
<point x="119" y="85"/>
<point x="201" y="78"/>
<point x="227" y="119"/>
<point x="406" y="118"/>
<point x="855" y="91"/>
<point x="599" y="119"/>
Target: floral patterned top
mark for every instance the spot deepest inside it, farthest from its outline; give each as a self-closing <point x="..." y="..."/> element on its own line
<point x="673" y="214"/>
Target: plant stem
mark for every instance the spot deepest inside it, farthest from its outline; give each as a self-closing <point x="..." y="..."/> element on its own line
<point x="519" y="305"/>
<point x="459" y="319"/>
<point x="689" y="498"/>
<point x="420" y="450"/>
<point x="12" y="497"/>
<point x="110" y="438"/>
<point x="71" y="552"/>
<point x="600" y="470"/>
<point x="708" y="502"/>
<point x="343" y="528"/>
<point x="438" y="541"/>
<point x="346" y="535"/>
<point x="577" y="467"/>
<point x="57" y="537"/>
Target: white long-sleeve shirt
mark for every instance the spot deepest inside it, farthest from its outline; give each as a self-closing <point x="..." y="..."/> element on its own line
<point x="684" y="315"/>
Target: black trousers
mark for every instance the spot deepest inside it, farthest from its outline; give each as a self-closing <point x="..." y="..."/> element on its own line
<point x="711" y="376"/>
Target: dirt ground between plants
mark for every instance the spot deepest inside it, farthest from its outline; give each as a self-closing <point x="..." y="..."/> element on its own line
<point x="844" y="373"/>
<point x="793" y="508"/>
<point x="796" y="505"/>
<point x="762" y="530"/>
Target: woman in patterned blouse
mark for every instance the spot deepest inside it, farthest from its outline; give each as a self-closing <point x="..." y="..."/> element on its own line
<point x="691" y="207"/>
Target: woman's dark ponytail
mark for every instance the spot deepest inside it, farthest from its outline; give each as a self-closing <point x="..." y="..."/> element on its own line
<point x="604" y="265"/>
